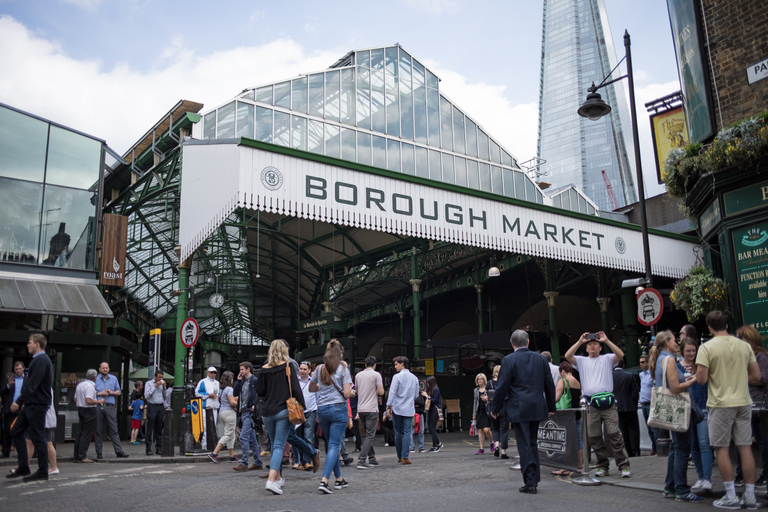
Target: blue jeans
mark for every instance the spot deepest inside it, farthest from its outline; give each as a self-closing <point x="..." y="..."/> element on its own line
<point x="403" y="426"/>
<point x="248" y="440"/>
<point x="278" y="428"/>
<point x="333" y="421"/>
<point x="306" y="431"/>
<point x="701" y="452"/>
<point x="677" y="464"/>
<point x="653" y="432"/>
<point x="420" y="434"/>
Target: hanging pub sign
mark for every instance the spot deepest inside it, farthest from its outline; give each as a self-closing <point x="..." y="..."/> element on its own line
<point x="113" y="247"/>
<point x="669" y="131"/>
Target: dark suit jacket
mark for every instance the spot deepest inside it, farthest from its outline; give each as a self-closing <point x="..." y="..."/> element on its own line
<point x="625" y="390"/>
<point x="525" y="388"/>
<point x="6" y="394"/>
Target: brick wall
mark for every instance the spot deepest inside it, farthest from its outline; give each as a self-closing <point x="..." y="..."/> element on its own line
<point x="738" y="38"/>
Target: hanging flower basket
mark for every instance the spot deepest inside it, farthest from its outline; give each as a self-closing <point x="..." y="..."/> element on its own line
<point x="700" y="293"/>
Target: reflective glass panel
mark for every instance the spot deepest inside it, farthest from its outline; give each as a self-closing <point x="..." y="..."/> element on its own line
<point x="67" y="229"/>
<point x="332" y="95"/>
<point x="264" y="124"/>
<point x="435" y="167"/>
<point x="506" y="158"/>
<point x="448" y="175"/>
<point x="482" y="144"/>
<point x="363" y="98"/>
<point x="73" y="160"/>
<point x="20" y="206"/>
<point x="471" y="138"/>
<point x="332" y="141"/>
<point x="363" y="148"/>
<point x="244" y="120"/>
<point x="348" y="144"/>
<point x="406" y="97"/>
<point x="315" y="136"/>
<point x="209" y="125"/>
<point x="250" y="95"/>
<point x="582" y="204"/>
<point x="433" y="117"/>
<point x="520" y="186"/>
<point x="495" y="153"/>
<point x="407" y="158"/>
<point x="393" y="105"/>
<point x="378" y="111"/>
<point x="530" y="191"/>
<point x="315" y="98"/>
<point x="283" y="95"/>
<point x="23" y="140"/>
<point x="348" y="96"/>
<point x="458" y="132"/>
<point x="299" y="132"/>
<point x="225" y="122"/>
<point x="420" y="113"/>
<point x="282" y="134"/>
<point x="473" y="175"/>
<point x="393" y="155"/>
<point x="379" y="152"/>
<point x="264" y="94"/>
<point x="363" y="59"/>
<point x="421" y="164"/>
<point x="557" y="201"/>
<point x="508" y="176"/>
<point x="299" y="95"/>
<point x="496" y="182"/>
<point x="485" y="177"/>
<point x="431" y="80"/>
<point x="446" y="124"/>
<point x="377" y="58"/>
<point x="461" y="171"/>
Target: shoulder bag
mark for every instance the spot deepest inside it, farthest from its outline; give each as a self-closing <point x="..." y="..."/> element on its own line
<point x="669" y="411"/>
<point x="295" y="410"/>
<point x="565" y="398"/>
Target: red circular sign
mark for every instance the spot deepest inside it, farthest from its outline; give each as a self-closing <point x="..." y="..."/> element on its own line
<point x="650" y="306"/>
<point x="189" y="332"/>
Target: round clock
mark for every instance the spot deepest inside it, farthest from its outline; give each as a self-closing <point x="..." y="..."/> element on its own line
<point x="216" y="300"/>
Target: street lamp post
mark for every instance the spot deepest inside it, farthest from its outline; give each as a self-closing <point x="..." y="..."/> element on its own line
<point x="595" y="108"/>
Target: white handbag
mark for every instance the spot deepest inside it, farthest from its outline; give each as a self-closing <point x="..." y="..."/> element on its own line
<point x="670" y="411"/>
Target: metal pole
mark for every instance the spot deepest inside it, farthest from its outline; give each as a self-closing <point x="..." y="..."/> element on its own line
<point x="585" y="479"/>
<point x="638" y="167"/>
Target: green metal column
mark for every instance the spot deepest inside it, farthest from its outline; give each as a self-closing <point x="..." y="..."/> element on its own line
<point x="631" y="327"/>
<point x="415" y="284"/>
<point x="401" y="314"/>
<point x="554" y="332"/>
<point x="479" y="289"/>
<point x="180" y="352"/>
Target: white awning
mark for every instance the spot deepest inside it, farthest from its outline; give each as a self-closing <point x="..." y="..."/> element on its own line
<point x="45" y="297"/>
<point x="218" y="178"/>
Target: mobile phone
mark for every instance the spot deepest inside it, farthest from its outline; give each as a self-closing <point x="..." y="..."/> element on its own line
<point x="592" y="336"/>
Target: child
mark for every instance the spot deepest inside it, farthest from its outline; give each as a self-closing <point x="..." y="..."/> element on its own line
<point x="137" y="406"/>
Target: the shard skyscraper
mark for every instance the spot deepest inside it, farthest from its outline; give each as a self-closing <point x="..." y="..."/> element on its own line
<point x="576" y="50"/>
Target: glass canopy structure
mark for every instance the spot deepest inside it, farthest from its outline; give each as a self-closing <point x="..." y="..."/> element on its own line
<point x="379" y="107"/>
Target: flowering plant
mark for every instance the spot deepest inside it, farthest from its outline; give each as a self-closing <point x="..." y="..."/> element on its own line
<point x="699" y="293"/>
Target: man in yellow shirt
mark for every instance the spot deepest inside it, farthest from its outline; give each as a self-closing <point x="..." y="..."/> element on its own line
<point x="721" y="362"/>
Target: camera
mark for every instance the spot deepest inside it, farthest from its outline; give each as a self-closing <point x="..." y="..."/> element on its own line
<point x="592" y="336"/>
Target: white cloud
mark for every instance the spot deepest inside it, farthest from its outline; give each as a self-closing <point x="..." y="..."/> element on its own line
<point x="120" y="104"/>
<point x="434" y="6"/>
<point x="88" y="5"/>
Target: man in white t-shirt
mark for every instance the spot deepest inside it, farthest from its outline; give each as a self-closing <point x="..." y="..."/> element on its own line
<point x="596" y="375"/>
<point x="369" y="388"/>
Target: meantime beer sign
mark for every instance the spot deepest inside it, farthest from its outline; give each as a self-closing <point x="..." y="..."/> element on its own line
<point x="263" y="177"/>
<point x="113" y="247"/>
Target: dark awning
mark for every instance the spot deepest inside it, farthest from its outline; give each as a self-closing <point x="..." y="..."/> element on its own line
<point x="52" y="298"/>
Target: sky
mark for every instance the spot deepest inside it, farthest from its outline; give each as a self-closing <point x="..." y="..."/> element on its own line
<point x="113" y="68"/>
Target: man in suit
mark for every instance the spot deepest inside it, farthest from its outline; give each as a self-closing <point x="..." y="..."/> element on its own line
<point x="526" y="393"/>
<point x="627" y="394"/>
<point x="9" y="393"/>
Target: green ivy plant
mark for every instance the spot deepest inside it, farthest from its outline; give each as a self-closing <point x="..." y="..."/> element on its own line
<point x="739" y="145"/>
<point x="699" y="293"/>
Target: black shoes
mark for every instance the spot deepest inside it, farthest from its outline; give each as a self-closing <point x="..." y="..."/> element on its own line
<point x="37" y="475"/>
<point x="149" y="453"/>
<point x="99" y="456"/>
<point x="122" y="455"/>
<point x="15" y="473"/>
<point x="528" y="489"/>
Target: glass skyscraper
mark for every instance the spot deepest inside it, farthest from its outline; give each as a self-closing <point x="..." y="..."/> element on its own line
<point x="577" y="50"/>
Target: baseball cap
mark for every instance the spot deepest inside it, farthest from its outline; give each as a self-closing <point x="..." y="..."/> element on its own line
<point x="213" y="369"/>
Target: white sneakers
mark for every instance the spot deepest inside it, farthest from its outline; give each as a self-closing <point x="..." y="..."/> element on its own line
<point x="701" y="486"/>
<point x="275" y="487"/>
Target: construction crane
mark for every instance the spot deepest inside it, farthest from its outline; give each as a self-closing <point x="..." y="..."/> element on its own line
<point x="609" y="188"/>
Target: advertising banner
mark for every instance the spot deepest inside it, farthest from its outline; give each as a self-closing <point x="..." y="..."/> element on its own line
<point x="557" y="440"/>
<point x="750" y="251"/>
<point x="113" y="248"/>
